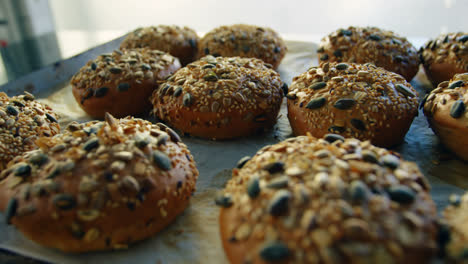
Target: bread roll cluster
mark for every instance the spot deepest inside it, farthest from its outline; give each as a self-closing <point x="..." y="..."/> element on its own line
<point x="329" y="195"/>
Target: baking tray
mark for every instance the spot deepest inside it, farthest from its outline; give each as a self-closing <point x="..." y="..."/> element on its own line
<point x="194" y="236"/>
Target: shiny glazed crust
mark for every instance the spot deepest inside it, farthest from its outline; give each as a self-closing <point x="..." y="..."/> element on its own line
<point x="370" y="44"/>
<point x="244" y="41"/>
<point x="220" y="98"/>
<point x="307" y="200"/>
<point x="180" y="42"/>
<point x="121" y="82"/>
<point x="99" y="186"/>
<point x="445" y="56"/>
<point x="445" y="109"/>
<point x="360" y="101"/>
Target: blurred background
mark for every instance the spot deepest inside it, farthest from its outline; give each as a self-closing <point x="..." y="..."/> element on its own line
<point x="34" y="33"/>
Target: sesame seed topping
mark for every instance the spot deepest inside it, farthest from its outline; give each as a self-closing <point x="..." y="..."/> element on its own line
<point x="446" y="49"/>
<point x="168" y="38"/>
<point x="244" y="41"/>
<point x="352" y="101"/>
<point x="370" y="44"/>
<point x="324" y="199"/>
<point x="110" y="170"/>
<point x="22" y="121"/>
<point x="221" y="89"/>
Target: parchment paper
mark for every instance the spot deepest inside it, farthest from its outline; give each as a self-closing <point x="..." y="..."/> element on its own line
<point x="194" y="237"/>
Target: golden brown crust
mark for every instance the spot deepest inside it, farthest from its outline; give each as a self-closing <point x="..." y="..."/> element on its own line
<point x="121" y="82"/>
<point x="445" y="109"/>
<point x="220" y="97"/>
<point x="360" y="101"/>
<point x="99" y="185"/>
<point x="22" y="121"/>
<point x="180" y="42"/>
<point x="455" y="219"/>
<point x="244" y="41"/>
<point x="370" y="44"/>
<point x="310" y="201"/>
<point x="445" y="56"/>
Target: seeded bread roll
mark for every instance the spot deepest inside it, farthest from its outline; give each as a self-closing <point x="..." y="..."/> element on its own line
<point x="99" y="186"/>
<point x="220" y="98"/>
<point x="121" y="82"/>
<point x="455" y="229"/>
<point x="353" y="100"/>
<point x="22" y="121"/>
<point x="445" y="56"/>
<point x="445" y="109"/>
<point x="370" y="44"/>
<point x="180" y="42"/>
<point x="308" y="200"/>
<point x="244" y="41"/>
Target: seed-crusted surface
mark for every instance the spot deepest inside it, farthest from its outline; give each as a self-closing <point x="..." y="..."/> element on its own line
<point x="99" y="185"/>
<point x="244" y="41"/>
<point x="360" y="101"/>
<point x="114" y="81"/>
<point x="307" y="200"/>
<point x="450" y="49"/>
<point x="181" y="42"/>
<point x="214" y="95"/>
<point x="446" y="110"/>
<point x="370" y="44"/>
<point x="121" y="67"/>
<point x="456" y="219"/>
<point x="22" y="121"/>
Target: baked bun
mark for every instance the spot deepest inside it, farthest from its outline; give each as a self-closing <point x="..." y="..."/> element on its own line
<point x="370" y="44"/>
<point x="220" y="98"/>
<point x="455" y="229"/>
<point x="244" y="41"/>
<point x="445" y="109"/>
<point x="99" y="185"/>
<point x="445" y="56"/>
<point x="353" y="100"/>
<point x="121" y="82"/>
<point x="308" y="200"/>
<point x="22" y="121"/>
<point x="180" y="42"/>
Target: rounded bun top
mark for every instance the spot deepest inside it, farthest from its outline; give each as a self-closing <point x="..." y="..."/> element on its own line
<point x="357" y="100"/>
<point x="120" y="69"/>
<point x="244" y="41"/>
<point x="22" y="121"/>
<point x="92" y="177"/>
<point x="444" y="56"/>
<point x="448" y="102"/>
<point x="314" y="198"/>
<point x="222" y="85"/>
<point x="180" y="42"/>
<point x="371" y="44"/>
